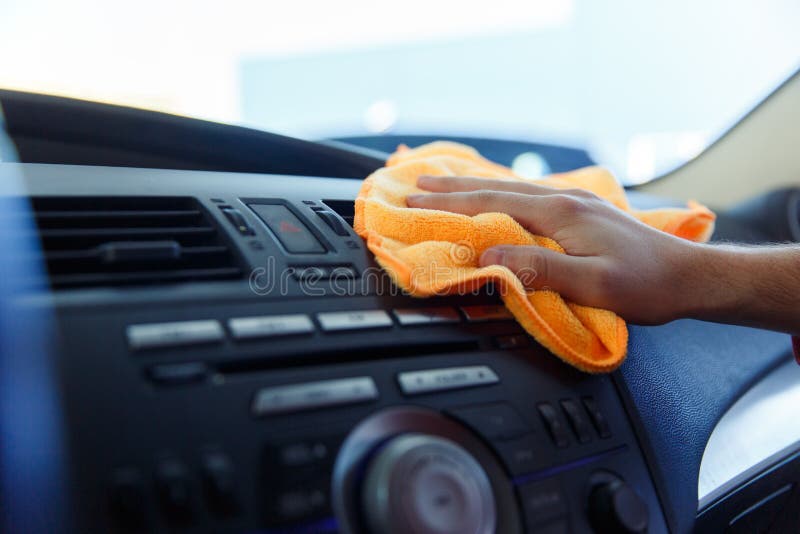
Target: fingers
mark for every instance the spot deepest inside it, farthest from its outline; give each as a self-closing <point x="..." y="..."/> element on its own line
<point x="475" y="202"/>
<point x="538" y="214"/>
<point x="452" y="184"/>
<point x="539" y="267"/>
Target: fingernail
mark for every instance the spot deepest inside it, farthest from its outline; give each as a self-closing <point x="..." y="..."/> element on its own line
<point x="493" y="256"/>
<point x="412" y="199"/>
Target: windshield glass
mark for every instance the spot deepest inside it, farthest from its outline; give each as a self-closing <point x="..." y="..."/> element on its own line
<point x="643" y="85"/>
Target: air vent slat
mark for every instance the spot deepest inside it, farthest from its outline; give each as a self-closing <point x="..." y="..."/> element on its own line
<point x="133" y="277"/>
<point x="111" y="241"/>
<point x="69" y="255"/>
<point x="123" y="232"/>
<point x="110" y="214"/>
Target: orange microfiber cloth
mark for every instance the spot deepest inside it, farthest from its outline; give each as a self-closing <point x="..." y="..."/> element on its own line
<point x="431" y="252"/>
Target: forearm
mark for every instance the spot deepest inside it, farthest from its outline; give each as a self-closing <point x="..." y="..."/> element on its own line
<point x="752" y="286"/>
<point x="615" y="262"/>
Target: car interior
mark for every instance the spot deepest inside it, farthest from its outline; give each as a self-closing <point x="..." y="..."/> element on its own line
<point x="159" y="373"/>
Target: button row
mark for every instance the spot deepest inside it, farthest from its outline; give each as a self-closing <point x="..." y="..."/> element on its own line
<point x="515" y="440"/>
<point x="304" y="468"/>
<point x="354" y="390"/>
<point x="188" y="333"/>
<point x="175" y="490"/>
<point x="576" y="416"/>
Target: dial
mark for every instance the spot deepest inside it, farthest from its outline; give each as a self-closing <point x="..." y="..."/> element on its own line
<point x="413" y="470"/>
<point x="614" y="506"/>
<point x="425" y="484"/>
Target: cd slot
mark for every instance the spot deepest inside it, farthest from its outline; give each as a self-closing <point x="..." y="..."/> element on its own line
<point x="256" y="364"/>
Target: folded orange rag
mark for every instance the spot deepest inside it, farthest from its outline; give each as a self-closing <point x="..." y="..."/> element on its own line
<point x="431" y="252"/>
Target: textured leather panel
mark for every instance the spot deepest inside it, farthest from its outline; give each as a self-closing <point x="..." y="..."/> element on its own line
<point x="681" y="377"/>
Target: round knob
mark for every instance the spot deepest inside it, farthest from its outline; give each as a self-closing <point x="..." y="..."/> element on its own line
<point x="425" y="484"/>
<point x="615" y="507"/>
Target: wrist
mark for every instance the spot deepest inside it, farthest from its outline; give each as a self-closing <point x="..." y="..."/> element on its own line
<point x="716" y="284"/>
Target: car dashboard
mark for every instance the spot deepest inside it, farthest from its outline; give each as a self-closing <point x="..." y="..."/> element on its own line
<point x="230" y="358"/>
<point x="257" y="393"/>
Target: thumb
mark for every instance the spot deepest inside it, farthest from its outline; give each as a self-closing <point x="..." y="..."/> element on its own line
<point x="539" y="267"/>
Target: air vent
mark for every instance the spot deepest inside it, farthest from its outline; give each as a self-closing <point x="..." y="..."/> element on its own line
<point x="111" y="241"/>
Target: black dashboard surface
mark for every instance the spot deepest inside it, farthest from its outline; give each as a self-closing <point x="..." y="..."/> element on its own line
<point x="677" y="381"/>
<point x="681" y="377"/>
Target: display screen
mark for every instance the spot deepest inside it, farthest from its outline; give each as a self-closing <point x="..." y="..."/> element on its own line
<point x="293" y="234"/>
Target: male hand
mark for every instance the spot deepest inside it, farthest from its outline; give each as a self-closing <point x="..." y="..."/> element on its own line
<point x="612" y="260"/>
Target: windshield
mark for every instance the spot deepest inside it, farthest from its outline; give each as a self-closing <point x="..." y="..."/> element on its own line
<point x="643" y="85"/>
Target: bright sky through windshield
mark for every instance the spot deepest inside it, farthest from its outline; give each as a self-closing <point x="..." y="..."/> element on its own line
<point x="644" y="85"/>
<point x="184" y="56"/>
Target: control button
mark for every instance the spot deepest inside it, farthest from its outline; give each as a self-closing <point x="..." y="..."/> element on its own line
<point x="127" y="499"/>
<point x="315" y="273"/>
<point x="178" y="373"/>
<point x="516" y="341"/>
<point x="302" y="502"/>
<point x="333" y="221"/>
<point x="522" y="456"/>
<point x="312" y="395"/>
<point x="554" y="425"/>
<point x="418" y="382"/>
<point x="292" y="233"/>
<point x="238" y="221"/>
<point x="174" y="491"/>
<point x="270" y="326"/>
<point x="577" y="420"/>
<point x="342" y="271"/>
<point x="219" y="482"/>
<point x="419" y="483"/>
<point x="542" y="503"/>
<point x="615" y="507"/>
<point x="310" y="273"/>
<point x="482" y="313"/>
<point x="304" y="453"/>
<point x="354" y="320"/>
<point x="418" y="316"/>
<point x="497" y="421"/>
<point x="598" y="419"/>
<point x="157" y="335"/>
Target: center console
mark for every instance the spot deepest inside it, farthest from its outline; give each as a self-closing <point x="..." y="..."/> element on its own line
<point x="233" y="360"/>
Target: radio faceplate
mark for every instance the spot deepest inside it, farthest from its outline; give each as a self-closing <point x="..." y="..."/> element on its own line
<point x="243" y="433"/>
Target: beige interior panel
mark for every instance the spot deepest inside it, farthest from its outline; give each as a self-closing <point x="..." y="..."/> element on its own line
<point x="761" y="153"/>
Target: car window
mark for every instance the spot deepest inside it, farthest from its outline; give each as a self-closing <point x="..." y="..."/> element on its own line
<point x="644" y="85"/>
